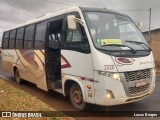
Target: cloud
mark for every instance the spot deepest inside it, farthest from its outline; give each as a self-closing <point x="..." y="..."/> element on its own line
<point x="13" y="12"/>
<point x="27" y="5"/>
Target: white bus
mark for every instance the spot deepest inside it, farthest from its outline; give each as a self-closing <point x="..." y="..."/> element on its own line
<point x="92" y="55"/>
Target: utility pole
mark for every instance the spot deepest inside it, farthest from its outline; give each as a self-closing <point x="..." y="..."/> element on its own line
<point x="149" y="33"/>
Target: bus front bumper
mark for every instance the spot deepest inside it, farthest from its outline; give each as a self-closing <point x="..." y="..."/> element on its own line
<point x="125" y="100"/>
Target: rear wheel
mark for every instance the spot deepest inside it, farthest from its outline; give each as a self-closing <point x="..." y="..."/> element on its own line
<point x="17" y="76"/>
<point x="76" y="97"/>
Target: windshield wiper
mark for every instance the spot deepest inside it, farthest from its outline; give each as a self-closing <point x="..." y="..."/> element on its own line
<point x="139" y="43"/>
<point x="120" y="45"/>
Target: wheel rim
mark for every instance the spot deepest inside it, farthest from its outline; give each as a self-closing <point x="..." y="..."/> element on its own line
<point x="77" y="97"/>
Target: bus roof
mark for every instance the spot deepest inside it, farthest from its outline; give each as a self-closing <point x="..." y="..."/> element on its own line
<point x="50" y="15"/>
<point x="87" y="9"/>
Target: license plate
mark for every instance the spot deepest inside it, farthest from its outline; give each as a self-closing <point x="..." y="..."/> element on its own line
<point x="141" y="83"/>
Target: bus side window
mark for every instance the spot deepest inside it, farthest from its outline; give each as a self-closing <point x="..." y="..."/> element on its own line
<point x="29" y="35"/>
<point x="73" y="35"/>
<point x="55" y="36"/>
<point x="59" y="37"/>
<point x="12" y="39"/>
<point x="19" y="38"/>
<point x="40" y="35"/>
<point x="5" y="40"/>
<point x="76" y="39"/>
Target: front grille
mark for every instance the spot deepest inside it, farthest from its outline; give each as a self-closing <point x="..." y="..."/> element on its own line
<point x="137" y="90"/>
<point x="137" y="75"/>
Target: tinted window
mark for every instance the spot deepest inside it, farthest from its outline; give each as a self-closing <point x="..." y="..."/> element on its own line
<point x="40" y="35"/>
<point x="113" y="29"/>
<point x="76" y="39"/>
<point x="19" y="38"/>
<point x="74" y="35"/>
<point x="5" y="40"/>
<point x="12" y="39"/>
<point x="29" y="36"/>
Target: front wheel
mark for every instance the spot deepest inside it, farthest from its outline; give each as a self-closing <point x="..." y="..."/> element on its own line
<point x="17" y="76"/>
<point x="76" y="97"/>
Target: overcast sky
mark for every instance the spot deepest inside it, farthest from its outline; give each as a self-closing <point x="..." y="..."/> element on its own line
<point x="13" y="12"/>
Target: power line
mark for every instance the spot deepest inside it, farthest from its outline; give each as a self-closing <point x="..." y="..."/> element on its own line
<point x="19" y="9"/>
<point x="9" y="16"/>
<point x="60" y="3"/>
<point x="76" y="5"/>
<point x="5" y="13"/>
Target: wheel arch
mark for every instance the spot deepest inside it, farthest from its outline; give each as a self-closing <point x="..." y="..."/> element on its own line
<point x="67" y="85"/>
<point x="14" y="68"/>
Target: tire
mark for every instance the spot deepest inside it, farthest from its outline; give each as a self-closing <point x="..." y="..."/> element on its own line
<point x="17" y="76"/>
<point x="76" y="97"/>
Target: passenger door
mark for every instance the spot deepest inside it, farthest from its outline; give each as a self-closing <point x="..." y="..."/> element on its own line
<point x="77" y="60"/>
<point x="53" y="53"/>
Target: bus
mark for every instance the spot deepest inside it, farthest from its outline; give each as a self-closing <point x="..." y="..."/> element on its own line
<point x="92" y="55"/>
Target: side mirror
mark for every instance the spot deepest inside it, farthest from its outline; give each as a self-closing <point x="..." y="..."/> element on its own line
<point x="140" y="25"/>
<point x="71" y="22"/>
<point x="53" y="44"/>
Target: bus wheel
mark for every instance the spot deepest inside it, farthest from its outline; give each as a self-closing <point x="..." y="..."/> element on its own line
<point x="76" y="97"/>
<point x="17" y="76"/>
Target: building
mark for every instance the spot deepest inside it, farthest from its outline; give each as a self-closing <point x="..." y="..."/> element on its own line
<point x="154" y="42"/>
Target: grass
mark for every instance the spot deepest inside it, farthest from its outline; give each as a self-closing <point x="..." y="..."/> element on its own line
<point x="13" y="99"/>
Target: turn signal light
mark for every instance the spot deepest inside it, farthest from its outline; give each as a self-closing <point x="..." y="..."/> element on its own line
<point x="88" y="86"/>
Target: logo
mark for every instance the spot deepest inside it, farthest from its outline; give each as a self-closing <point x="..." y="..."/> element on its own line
<point x="124" y="61"/>
<point x="139" y="75"/>
<point x="147" y="62"/>
<point x="6" y="114"/>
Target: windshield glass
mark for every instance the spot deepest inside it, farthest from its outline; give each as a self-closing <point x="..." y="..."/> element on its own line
<point x="107" y="29"/>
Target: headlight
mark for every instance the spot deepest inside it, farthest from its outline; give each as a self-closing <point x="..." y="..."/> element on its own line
<point x="113" y="75"/>
<point x="109" y="94"/>
<point x="116" y="76"/>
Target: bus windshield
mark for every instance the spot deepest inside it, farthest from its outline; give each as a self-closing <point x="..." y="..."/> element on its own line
<point x="114" y="32"/>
